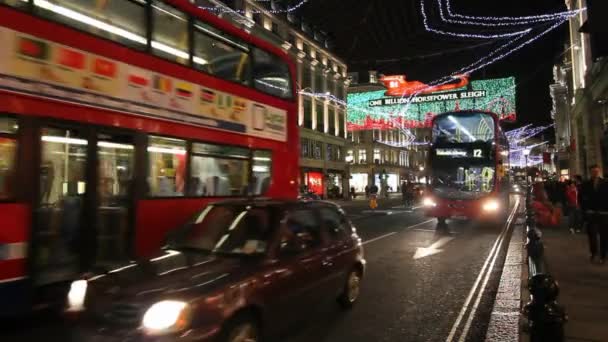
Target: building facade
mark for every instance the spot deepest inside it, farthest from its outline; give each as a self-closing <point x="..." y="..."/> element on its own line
<point x="587" y="92"/>
<point x="322" y="117"/>
<point x="382" y="156"/>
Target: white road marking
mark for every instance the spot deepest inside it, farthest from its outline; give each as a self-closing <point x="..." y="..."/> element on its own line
<point x="379" y="237"/>
<point x="435" y="248"/>
<point x="491" y="259"/>
<point x="393" y="233"/>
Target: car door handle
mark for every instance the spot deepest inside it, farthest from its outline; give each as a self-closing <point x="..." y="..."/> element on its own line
<point x="327" y="263"/>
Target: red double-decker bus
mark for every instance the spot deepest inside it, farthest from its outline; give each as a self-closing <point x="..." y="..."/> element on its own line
<point x="118" y="120"/>
<point x="468" y="159"/>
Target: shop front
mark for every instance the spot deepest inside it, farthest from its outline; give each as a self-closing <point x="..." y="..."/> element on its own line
<point x="334" y="184"/>
<point x="313" y="182"/>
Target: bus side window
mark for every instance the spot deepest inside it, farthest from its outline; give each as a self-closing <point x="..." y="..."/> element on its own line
<point x="8" y="153"/>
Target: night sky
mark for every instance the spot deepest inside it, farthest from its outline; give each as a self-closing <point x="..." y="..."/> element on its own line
<point x="389" y="36"/>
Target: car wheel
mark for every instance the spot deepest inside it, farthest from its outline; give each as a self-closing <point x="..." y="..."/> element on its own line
<point x="352" y="289"/>
<point x="241" y="329"/>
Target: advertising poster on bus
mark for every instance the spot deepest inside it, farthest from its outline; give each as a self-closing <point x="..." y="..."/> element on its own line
<point x="43" y="68"/>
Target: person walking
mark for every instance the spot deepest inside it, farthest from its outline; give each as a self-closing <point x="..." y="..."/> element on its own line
<point x="404" y="193"/>
<point x="373" y="196"/>
<point x="595" y="210"/>
<point x="573" y="205"/>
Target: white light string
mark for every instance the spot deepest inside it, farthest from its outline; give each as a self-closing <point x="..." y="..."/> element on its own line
<point x="528" y="17"/>
<point x="499" y="24"/>
<point x="466" y="35"/>
<point x="224" y="10"/>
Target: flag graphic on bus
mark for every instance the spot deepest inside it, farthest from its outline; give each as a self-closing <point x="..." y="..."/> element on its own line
<point x="183" y="89"/>
<point x="33" y="48"/>
<point x="104" y="67"/>
<point x="70" y="58"/>
<point x="162" y="83"/>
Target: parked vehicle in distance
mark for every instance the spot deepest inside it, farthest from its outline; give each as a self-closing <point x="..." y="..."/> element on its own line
<point x="240" y="270"/>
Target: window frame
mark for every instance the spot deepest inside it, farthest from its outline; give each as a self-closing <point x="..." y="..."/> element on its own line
<point x="14" y="195"/>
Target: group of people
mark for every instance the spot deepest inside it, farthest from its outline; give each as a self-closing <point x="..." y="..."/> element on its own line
<point x="583" y="202"/>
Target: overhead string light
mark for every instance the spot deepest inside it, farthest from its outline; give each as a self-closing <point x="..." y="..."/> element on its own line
<point x="254" y="11"/>
<point x="497" y="23"/>
<point x="548" y="16"/>
<point x="466" y="35"/>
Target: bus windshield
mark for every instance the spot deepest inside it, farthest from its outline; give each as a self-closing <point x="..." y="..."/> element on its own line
<point x="459" y="179"/>
<point x="463" y="128"/>
<point x="462" y="156"/>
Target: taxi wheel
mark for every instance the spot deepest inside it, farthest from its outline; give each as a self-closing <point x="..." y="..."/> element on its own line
<point x="243" y="328"/>
<point x="352" y="289"/>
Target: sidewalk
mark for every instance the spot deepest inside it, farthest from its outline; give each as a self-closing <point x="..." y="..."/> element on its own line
<point x="583" y="286"/>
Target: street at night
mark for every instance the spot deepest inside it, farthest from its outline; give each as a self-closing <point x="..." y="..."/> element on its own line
<point x="303" y="170"/>
<point x="421" y="284"/>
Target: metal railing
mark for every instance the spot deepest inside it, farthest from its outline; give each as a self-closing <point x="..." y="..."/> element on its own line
<point x="546" y="317"/>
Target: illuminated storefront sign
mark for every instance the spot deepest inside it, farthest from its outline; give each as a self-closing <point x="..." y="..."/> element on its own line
<point x="386" y="109"/>
<point x="314" y="181"/>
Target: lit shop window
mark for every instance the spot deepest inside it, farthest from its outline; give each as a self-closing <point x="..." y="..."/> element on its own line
<point x="166" y="167"/>
<point x="8" y="152"/>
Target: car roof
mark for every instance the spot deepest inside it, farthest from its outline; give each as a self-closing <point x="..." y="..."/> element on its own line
<point x="267" y="202"/>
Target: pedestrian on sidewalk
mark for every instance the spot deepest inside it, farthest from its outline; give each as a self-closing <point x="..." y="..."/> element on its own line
<point x="574" y="209"/>
<point x="404" y="193"/>
<point x="595" y="211"/>
<point x="367" y="191"/>
<point x="353" y="194"/>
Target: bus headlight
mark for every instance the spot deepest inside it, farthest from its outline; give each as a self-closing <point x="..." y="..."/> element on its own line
<point x="491" y="205"/>
<point x="166" y="316"/>
<point x="77" y="294"/>
<point x="428" y="202"/>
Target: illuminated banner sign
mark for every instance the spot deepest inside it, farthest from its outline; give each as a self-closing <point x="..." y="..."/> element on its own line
<point x="458" y="153"/>
<point x="391" y="101"/>
<point x="389" y="108"/>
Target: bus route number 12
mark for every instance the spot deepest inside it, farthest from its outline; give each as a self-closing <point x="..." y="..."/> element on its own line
<point x="477" y="153"/>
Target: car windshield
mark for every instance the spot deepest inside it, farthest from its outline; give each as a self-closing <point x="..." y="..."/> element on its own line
<point x="228" y="229"/>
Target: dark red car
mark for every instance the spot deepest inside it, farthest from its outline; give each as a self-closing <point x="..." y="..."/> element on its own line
<point x="239" y="271"/>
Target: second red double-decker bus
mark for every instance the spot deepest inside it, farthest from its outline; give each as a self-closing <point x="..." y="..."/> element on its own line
<point x="468" y="157"/>
<point x="118" y="120"/>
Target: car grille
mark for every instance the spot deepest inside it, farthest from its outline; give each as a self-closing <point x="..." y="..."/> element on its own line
<point x="124" y="314"/>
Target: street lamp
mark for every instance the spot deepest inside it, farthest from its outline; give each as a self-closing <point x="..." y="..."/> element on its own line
<point x="526" y="154"/>
<point x="421" y="168"/>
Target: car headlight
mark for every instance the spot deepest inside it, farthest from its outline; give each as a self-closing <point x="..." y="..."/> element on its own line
<point x="428" y="202"/>
<point x="77" y="294"/>
<point x="491" y="205"/>
<point x="166" y="316"/>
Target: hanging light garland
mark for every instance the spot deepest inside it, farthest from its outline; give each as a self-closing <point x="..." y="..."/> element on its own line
<point x="548" y="16"/>
<point x="493" y="23"/>
<point x="466" y="35"/>
<point x="225" y="10"/>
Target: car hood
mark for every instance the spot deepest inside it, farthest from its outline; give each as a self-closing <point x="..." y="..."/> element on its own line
<point x="172" y="273"/>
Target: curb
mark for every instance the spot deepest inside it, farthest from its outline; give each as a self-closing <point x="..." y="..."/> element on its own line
<point x="505" y="318"/>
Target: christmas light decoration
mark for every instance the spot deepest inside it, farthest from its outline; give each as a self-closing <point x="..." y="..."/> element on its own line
<point x="363" y="107"/>
<point x="467" y="35"/>
<point x="225" y="10"/>
<point x="518" y="142"/>
<point x="549" y="16"/>
<point x="557" y="16"/>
